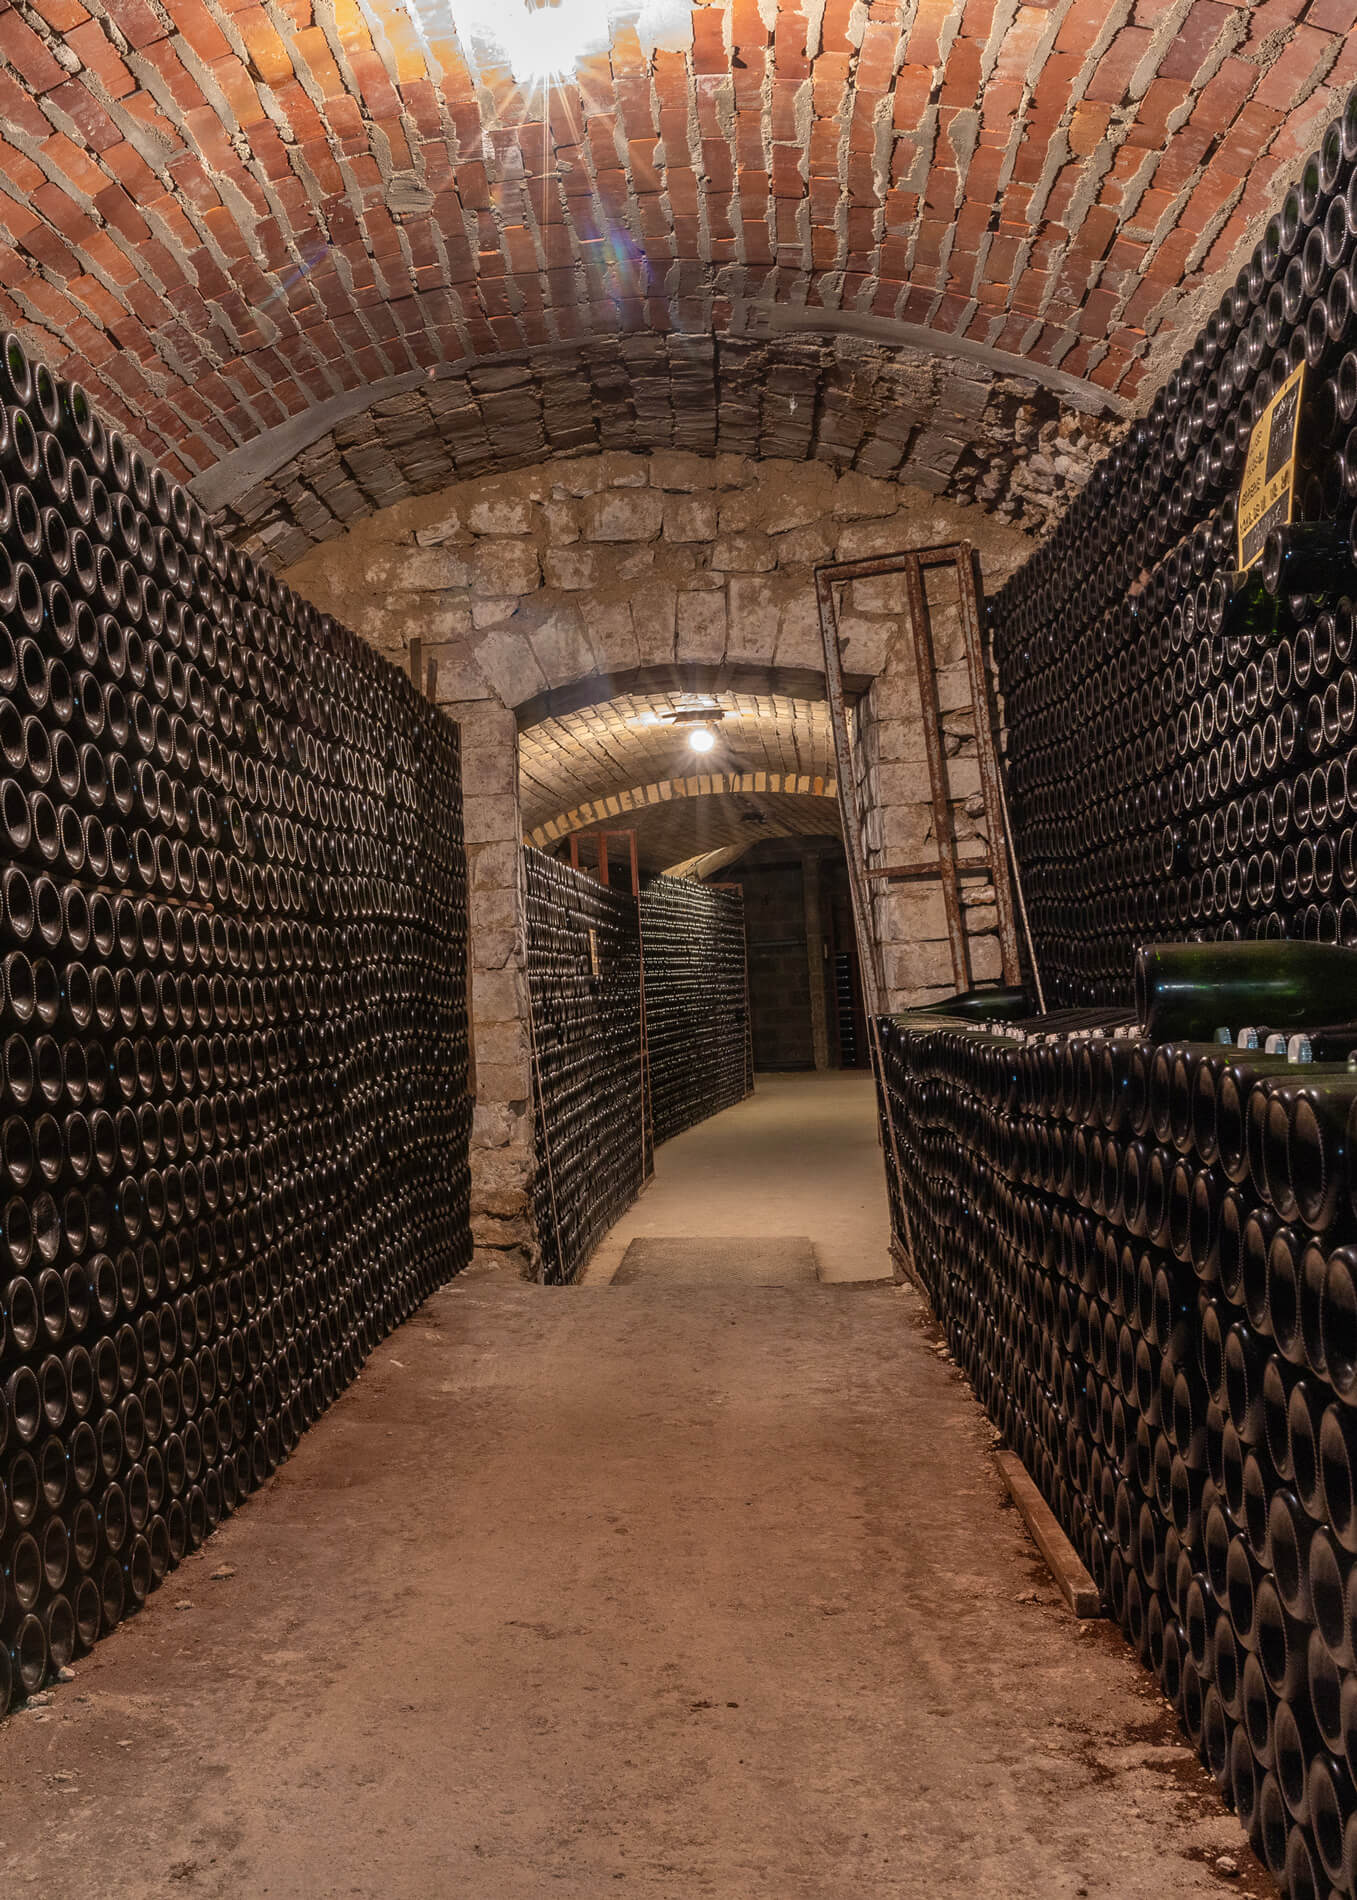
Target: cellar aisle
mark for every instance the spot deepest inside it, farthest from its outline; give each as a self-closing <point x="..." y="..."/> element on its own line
<point x="797" y="1157"/>
<point x="619" y="1591"/>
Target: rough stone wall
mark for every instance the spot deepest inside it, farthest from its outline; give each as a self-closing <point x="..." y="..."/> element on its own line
<point x="620" y="571"/>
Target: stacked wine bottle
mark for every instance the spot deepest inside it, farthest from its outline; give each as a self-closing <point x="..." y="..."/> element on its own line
<point x="1182" y="731"/>
<point x="1142" y="1246"/>
<point x="697" y="1020"/>
<point x="233" y="1098"/>
<point x="592" y="1141"/>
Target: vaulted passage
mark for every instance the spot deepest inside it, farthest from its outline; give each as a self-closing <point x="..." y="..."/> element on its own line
<point x="678" y="939"/>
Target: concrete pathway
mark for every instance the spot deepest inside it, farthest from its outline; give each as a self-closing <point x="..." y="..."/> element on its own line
<point x="675" y="1593"/>
<point x="797" y="1157"/>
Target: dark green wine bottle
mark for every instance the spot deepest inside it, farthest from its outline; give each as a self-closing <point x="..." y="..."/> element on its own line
<point x="1239" y="606"/>
<point x="1186" y="991"/>
<point x="981" y="1006"/>
<point x="1310" y="557"/>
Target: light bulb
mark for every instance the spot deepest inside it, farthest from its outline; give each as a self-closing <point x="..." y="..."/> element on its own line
<point x="701" y="738"/>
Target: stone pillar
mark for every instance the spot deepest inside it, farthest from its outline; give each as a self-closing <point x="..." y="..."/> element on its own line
<point x="501" y="1133"/>
<point x="811" y="865"/>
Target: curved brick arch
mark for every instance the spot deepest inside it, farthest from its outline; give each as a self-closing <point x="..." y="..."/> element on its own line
<point x="227" y="219"/>
<point x="873" y="402"/>
<point x="635" y="798"/>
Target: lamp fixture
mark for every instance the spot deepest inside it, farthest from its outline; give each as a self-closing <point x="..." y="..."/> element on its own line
<point x="701" y="738"/>
<point x="543" y="41"/>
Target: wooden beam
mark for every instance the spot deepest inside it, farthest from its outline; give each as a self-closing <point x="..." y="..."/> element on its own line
<point x="1062" y="1559"/>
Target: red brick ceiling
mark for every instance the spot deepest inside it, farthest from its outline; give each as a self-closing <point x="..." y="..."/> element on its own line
<point x="223" y="217"/>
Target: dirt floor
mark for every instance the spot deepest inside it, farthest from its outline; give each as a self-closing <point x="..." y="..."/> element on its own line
<point x="651" y="1590"/>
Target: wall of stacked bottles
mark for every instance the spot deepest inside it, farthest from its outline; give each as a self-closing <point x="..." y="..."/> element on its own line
<point x="1142" y="1254"/>
<point x="697" y="1016"/>
<point x="584" y="977"/>
<point x="1180" y="739"/>
<point x="234" y="1126"/>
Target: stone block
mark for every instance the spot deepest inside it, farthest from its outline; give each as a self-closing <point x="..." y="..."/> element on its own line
<point x="690" y="517"/>
<point x="963" y="776"/>
<point x="489" y="770"/>
<point x="612" y="635"/>
<point x="571" y="567"/>
<point x="901" y="741"/>
<point x="916" y="913"/>
<point x="680" y="470"/>
<point x="501" y="514"/>
<point x="622" y="514"/>
<point x="496" y="1125"/>
<point x="741" y="511"/>
<point x="794" y="494"/>
<point x="562" y="520"/>
<point x="864" y="643"/>
<point x="501" y="1082"/>
<point x="895" y="693"/>
<point x="904" y="781"/>
<point x="494" y="912"/>
<point x="755" y="614"/>
<point x="987" y="959"/>
<point x="860" y="540"/>
<point x="499" y="947"/>
<point x="505" y="1264"/>
<point x="879" y="594"/>
<point x="498" y="996"/>
<point x="653" y="606"/>
<point x="734" y="471"/>
<point x="742" y="554"/>
<point x="509" y="664"/>
<point x="799" y="641"/>
<point x="505" y="567"/>
<point x="805" y="547"/>
<point x="859" y="497"/>
<point x="494" y="867"/>
<point x="501" y="1044"/>
<point x="954" y="687"/>
<point x="489" y="1230"/>
<point x="500" y="1178"/>
<point x="912" y="965"/>
<point x="487" y="820"/>
<point x="431" y="570"/>
<point x="701" y="623"/>
<point x="458" y="680"/>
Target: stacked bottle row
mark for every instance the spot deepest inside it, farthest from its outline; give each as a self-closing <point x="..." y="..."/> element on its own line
<point x="233" y="1109"/>
<point x="584" y="977"/>
<point x="1182" y="733"/>
<point x="1142" y="1255"/>
<point x="697" y="1017"/>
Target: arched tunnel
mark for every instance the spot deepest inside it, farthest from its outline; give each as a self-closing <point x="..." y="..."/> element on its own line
<point x="677" y="703"/>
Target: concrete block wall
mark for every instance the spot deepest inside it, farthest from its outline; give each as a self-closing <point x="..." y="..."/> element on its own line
<point x="602" y="574"/>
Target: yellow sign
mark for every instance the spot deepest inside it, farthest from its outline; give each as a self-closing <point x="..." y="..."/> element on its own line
<point x="1269" y="470"/>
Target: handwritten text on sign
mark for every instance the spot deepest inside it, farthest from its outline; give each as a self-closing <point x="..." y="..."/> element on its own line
<point x="1269" y="470"/>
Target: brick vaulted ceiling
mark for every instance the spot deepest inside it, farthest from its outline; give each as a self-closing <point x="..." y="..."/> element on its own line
<point x="311" y="260"/>
<point x="574" y="763"/>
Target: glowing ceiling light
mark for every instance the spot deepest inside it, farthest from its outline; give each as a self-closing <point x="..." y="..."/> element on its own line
<point x="701" y="738"/>
<point x="544" y="40"/>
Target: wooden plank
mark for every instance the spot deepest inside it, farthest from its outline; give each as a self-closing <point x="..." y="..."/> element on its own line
<point x="1062" y="1559"/>
<point x="973" y="867"/>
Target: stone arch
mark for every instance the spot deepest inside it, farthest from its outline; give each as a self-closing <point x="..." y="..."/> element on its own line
<point x="548" y="590"/>
<point x="635" y="798"/>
